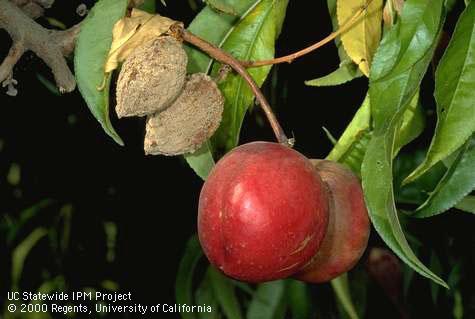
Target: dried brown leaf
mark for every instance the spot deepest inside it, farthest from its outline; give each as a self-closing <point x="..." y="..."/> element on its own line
<point x="131" y="32"/>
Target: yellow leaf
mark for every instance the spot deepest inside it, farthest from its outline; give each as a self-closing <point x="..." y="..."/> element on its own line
<point x="398" y="5"/>
<point x="388" y="14"/>
<point x="131" y="32"/>
<point x="362" y="38"/>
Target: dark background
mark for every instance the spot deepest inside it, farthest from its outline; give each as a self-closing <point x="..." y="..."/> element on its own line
<point x="64" y="155"/>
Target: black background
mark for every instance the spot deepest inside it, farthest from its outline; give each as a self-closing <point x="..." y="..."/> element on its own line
<point x="65" y="155"/>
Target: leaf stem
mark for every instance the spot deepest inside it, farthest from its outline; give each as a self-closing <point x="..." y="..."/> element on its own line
<point x="291" y="57"/>
<point x="225" y="58"/>
<point x="240" y="66"/>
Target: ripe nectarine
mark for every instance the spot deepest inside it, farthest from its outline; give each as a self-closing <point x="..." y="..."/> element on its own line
<point x="263" y="212"/>
<point x="348" y="226"/>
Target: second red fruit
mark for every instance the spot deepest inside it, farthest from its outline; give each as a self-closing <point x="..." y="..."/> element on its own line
<point x="348" y="227"/>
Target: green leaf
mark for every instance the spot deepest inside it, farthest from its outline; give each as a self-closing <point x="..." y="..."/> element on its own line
<point x="329" y="135"/>
<point x="244" y="287"/>
<point x="224" y="292"/>
<point x="14" y="174"/>
<point x="205" y="296"/>
<point x="458" y="305"/>
<point x="92" y="49"/>
<point x="345" y="73"/>
<point x="21" y="252"/>
<point x="298" y="299"/>
<point x="221" y="7"/>
<point x="467" y="204"/>
<point x="50" y="86"/>
<point x="268" y="301"/>
<point x="378" y="188"/>
<point x="397" y="71"/>
<point x="407" y="276"/>
<point x="413" y="122"/>
<point x="351" y="145"/>
<point x="449" y="4"/>
<point x="400" y="51"/>
<point x="351" y="293"/>
<point x="253" y="38"/>
<point x="458" y="181"/>
<point x="149" y="6"/>
<point x="415" y="193"/>
<point x="454" y="93"/>
<point x="184" y="279"/>
<point x="436" y="266"/>
<point x="455" y="275"/>
<point x="25" y="216"/>
<point x="341" y="289"/>
<point x="54" y="284"/>
<point x="201" y="161"/>
<point x="222" y="27"/>
<point x="358" y="283"/>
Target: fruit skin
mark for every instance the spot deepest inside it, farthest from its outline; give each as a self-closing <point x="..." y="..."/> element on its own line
<point x="385" y="268"/>
<point x="348" y="226"/>
<point x="263" y="212"/>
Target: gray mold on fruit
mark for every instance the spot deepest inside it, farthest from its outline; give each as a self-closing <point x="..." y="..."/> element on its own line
<point x="189" y="121"/>
<point x="151" y="78"/>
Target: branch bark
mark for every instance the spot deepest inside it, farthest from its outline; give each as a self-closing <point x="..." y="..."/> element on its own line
<point x="222" y="56"/>
<point x="291" y="57"/>
<point x="50" y="45"/>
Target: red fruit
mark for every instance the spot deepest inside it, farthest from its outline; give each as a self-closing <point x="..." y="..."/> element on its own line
<point x="348" y="225"/>
<point x="386" y="269"/>
<point x="263" y="212"/>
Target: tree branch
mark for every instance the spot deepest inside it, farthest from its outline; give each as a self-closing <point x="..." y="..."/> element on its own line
<point x="50" y="45"/>
<point x="225" y="58"/>
<point x="66" y="39"/>
<point x="291" y="57"/>
<point x="240" y="66"/>
<point x="33" y="8"/>
<point x="15" y="53"/>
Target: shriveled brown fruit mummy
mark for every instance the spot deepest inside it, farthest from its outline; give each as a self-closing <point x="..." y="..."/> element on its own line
<point x="189" y="121"/>
<point x="151" y="78"/>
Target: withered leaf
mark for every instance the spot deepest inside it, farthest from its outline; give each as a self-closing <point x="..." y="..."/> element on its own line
<point x="131" y="32"/>
<point x="362" y="38"/>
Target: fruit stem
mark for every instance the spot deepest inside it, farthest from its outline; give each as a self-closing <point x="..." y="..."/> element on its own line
<point x="225" y="58"/>
<point x="291" y="57"/>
